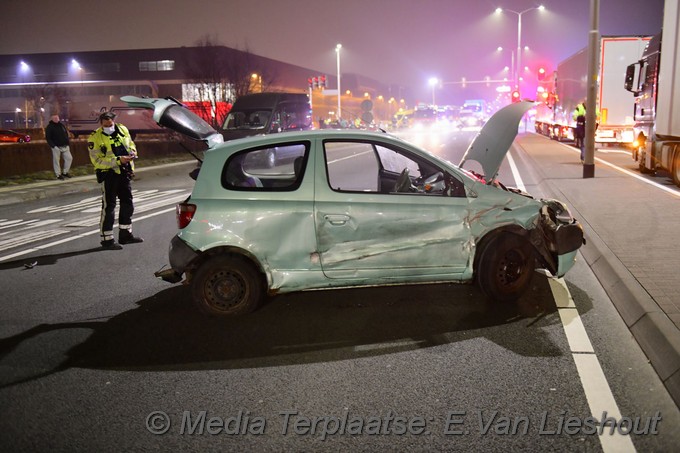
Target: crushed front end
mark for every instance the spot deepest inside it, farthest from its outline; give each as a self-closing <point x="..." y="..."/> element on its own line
<point x="557" y="238"/>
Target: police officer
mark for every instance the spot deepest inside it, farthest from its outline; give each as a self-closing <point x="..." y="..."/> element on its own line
<point x="579" y="116"/>
<point x="112" y="152"/>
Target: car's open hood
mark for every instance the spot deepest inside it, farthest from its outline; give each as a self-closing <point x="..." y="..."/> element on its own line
<point x="173" y="115"/>
<point x="492" y="143"/>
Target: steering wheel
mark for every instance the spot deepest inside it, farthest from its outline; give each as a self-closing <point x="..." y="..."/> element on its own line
<point x="403" y="181"/>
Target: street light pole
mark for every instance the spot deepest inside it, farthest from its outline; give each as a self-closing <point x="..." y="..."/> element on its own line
<point x="337" y="51"/>
<point x="519" y="49"/>
<point x="519" y="38"/>
<point x="591" y="99"/>
<point x="433" y="82"/>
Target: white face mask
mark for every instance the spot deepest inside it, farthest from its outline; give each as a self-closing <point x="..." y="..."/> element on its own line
<point x="109" y="130"/>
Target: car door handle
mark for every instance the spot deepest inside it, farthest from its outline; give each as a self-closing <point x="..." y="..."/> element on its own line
<point x="336" y="219"/>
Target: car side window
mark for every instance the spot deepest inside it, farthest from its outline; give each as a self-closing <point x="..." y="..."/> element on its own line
<point x="351" y="166"/>
<point x="278" y="167"/>
<point x="357" y="166"/>
<point x="395" y="162"/>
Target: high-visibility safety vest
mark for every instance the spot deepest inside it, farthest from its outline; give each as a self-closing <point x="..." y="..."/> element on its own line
<point x="580" y="110"/>
<point x="101" y="146"/>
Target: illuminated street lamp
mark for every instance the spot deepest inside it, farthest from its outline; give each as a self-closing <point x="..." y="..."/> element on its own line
<point x="25" y="69"/>
<point x="337" y="51"/>
<point x="512" y="61"/>
<point x="257" y="81"/>
<point x="519" y="35"/>
<point x="433" y="82"/>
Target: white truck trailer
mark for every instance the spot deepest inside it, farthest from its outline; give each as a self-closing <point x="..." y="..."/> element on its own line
<point x="613" y="103"/>
<point x="654" y="80"/>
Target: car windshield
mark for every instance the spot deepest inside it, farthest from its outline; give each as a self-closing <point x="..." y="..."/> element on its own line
<point x="247" y="119"/>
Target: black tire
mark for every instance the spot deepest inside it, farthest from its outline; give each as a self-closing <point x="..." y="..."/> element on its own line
<point x="21" y="140"/>
<point x="641" y="162"/>
<point x="227" y="286"/>
<point x="675" y="173"/>
<point x="505" y="267"/>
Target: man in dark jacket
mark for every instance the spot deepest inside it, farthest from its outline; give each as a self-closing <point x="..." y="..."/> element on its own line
<point x="57" y="138"/>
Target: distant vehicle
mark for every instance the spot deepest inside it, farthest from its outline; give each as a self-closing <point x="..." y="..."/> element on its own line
<point x="402" y="118"/>
<point x="266" y="113"/>
<point x="423" y="118"/>
<point x="390" y="213"/>
<point x="12" y="136"/>
<point x="473" y="113"/>
<point x="571" y="87"/>
<point x="653" y="82"/>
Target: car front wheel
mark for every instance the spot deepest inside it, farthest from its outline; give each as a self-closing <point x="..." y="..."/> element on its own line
<point x="227" y="286"/>
<point x="505" y="268"/>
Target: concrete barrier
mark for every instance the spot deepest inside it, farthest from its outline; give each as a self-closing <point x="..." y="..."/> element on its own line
<point x="18" y="159"/>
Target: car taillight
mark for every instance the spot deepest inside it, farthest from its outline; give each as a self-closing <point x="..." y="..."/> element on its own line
<point x="185" y="212"/>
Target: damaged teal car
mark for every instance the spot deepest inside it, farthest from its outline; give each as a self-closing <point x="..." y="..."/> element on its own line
<point x="353" y="208"/>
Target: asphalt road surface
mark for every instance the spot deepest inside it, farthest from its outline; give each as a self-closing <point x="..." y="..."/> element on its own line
<point x="98" y="355"/>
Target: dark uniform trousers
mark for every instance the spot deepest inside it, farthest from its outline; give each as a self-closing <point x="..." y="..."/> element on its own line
<point x="116" y="186"/>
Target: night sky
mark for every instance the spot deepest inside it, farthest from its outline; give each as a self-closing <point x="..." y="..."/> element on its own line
<point x="393" y="41"/>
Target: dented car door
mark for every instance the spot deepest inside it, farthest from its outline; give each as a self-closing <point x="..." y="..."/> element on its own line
<point x="366" y="230"/>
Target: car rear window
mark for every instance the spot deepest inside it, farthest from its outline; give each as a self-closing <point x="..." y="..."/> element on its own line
<point x="278" y="167"/>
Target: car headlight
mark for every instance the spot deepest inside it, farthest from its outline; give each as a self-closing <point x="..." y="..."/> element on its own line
<point x="560" y="211"/>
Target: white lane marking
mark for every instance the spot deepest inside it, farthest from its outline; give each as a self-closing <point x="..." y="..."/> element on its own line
<point x="19" y="236"/>
<point x="25" y="225"/>
<point x="142" y="207"/>
<point x="594" y="382"/>
<point x="73" y="238"/>
<point x="15" y="223"/>
<point x="73" y="206"/>
<point x="30" y="237"/>
<point x="612" y="151"/>
<point x="339" y="159"/>
<point x="629" y="173"/>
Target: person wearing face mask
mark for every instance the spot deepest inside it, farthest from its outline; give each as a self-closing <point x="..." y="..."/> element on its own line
<point x="112" y="153"/>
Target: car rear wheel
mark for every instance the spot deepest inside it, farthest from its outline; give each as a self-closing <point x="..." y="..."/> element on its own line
<point x="227" y="286"/>
<point x="505" y="267"/>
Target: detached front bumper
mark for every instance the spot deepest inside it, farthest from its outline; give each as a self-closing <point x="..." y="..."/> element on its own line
<point x="181" y="255"/>
<point x="568" y="239"/>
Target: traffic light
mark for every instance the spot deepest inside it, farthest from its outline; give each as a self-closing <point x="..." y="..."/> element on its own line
<point x="541" y="73"/>
<point x="322" y="81"/>
<point x="310" y="83"/>
<point x="316" y="82"/>
<point x="515" y="96"/>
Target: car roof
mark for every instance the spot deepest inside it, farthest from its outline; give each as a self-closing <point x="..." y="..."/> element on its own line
<point x="311" y="135"/>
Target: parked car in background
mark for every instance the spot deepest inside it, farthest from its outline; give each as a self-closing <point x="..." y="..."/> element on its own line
<point x="7" y="135"/>
<point x="267" y="113"/>
<point x="354" y="208"/>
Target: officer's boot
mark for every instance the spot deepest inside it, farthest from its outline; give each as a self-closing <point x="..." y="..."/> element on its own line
<point x="126" y="237"/>
<point x="110" y="244"/>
